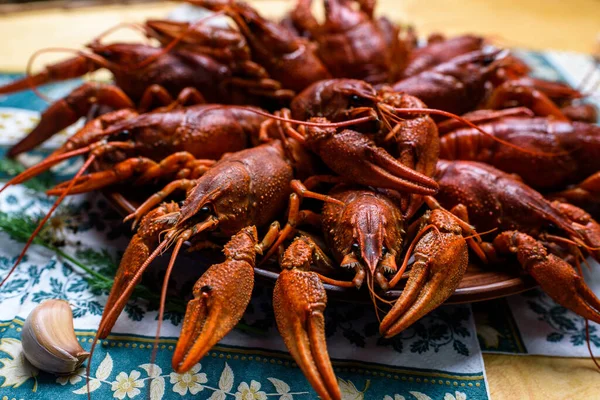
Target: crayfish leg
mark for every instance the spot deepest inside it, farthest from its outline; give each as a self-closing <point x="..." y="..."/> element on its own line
<point x="180" y="165"/>
<point x="585" y="195"/>
<point x="512" y="91"/>
<point x="480" y="117"/>
<point x="63" y="70"/>
<point x="584" y="225"/>
<point x="441" y="259"/>
<point x="157" y="98"/>
<point x="158" y="197"/>
<point x="98" y="180"/>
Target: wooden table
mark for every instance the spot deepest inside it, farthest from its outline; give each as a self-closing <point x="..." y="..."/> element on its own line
<point x="557" y="24"/>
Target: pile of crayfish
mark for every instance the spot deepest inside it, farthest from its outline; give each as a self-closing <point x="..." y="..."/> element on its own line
<point x="339" y="149"/>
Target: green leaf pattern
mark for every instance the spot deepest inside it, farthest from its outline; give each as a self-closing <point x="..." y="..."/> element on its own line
<point x="566" y="326"/>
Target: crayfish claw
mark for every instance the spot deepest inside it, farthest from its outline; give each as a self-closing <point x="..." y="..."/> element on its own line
<point x="221" y="296"/>
<point x="441" y="259"/>
<point x="555" y="276"/>
<point x="398" y="176"/>
<point x="66" y="111"/>
<point x="299" y="300"/>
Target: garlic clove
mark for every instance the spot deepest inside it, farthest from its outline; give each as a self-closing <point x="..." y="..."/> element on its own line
<point x="49" y="341"/>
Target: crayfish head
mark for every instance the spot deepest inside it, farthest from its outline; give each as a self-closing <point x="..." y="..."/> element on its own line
<point x="351" y="98"/>
<point x="220" y="194"/>
<point x="375" y="243"/>
<point x="399" y="100"/>
<point x="334" y="99"/>
<point x="123" y="54"/>
<point x="388" y="112"/>
<point x="95" y="130"/>
<point x="483" y="63"/>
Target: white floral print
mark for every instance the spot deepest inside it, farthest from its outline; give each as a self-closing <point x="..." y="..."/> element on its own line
<point x="251" y="392"/>
<point x="396" y="397"/>
<point x="350" y="391"/>
<point x="15" y="370"/>
<point x="457" y="396"/>
<point x="422" y="396"/>
<point x="190" y="380"/>
<point x="73" y="378"/>
<point x="127" y="385"/>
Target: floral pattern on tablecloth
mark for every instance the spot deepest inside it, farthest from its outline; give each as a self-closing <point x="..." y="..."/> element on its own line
<point x="123" y="371"/>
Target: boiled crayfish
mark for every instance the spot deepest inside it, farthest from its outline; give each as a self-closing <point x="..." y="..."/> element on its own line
<point x="369" y="130"/>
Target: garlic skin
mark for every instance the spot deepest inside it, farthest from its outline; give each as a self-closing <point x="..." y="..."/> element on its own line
<point x="49" y="341"/>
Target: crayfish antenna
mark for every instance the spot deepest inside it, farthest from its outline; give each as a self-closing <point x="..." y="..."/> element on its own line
<point x="341" y="124"/>
<point x="44" y="166"/>
<point x="483" y="117"/>
<point x="113" y="312"/>
<point x="589" y="346"/>
<point x="469" y="124"/>
<point x="163" y="297"/>
<point x="136" y="259"/>
<point x="131" y="25"/>
<point x="41" y="224"/>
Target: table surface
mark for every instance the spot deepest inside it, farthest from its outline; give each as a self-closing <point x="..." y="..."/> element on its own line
<point x="562" y="25"/>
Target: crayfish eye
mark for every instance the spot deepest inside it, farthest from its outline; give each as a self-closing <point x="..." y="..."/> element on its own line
<point x="105" y="53"/>
<point x="355" y="100"/>
<point x="358" y="101"/>
<point x="204" y="210"/>
<point x="123" y="135"/>
<point x="355" y="247"/>
<point x="206" y="289"/>
<point x="384" y="250"/>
